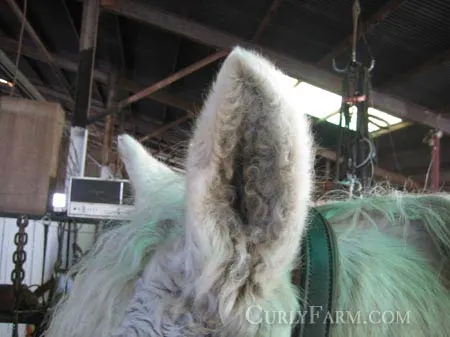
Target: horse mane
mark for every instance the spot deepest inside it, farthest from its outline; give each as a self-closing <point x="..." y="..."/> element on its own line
<point x="118" y="257"/>
<point x="421" y="220"/>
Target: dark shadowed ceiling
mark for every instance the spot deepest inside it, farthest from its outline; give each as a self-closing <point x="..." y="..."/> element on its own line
<point x="409" y="39"/>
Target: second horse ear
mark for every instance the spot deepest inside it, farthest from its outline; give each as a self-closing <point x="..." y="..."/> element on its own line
<point x="152" y="181"/>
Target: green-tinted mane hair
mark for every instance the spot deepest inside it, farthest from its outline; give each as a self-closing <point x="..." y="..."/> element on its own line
<point x="394" y="252"/>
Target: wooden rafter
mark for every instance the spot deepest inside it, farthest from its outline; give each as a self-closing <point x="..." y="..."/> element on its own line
<point x="122" y="82"/>
<point x="75" y="32"/>
<point x="96" y="105"/>
<point x="263" y="25"/>
<point x="267" y="18"/>
<point x="444" y="177"/>
<point x="21" y="80"/>
<point x="206" y="35"/>
<point x="172" y="78"/>
<point x="390" y="129"/>
<point x="125" y="84"/>
<point x="86" y="61"/>
<point x="38" y="42"/>
<point x="421" y="68"/>
<point x="408" y="158"/>
<point x="121" y="63"/>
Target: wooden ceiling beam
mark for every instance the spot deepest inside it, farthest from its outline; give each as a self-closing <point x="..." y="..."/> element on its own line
<point x="172" y="78"/>
<point x="267" y="19"/>
<point x="120" y="59"/>
<point x="421" y="68"/>
<point x="417" y="158"/>
<point x="192" y="30"/>
<point x="196" y="66"/>
<point x="32" y="52"/>
<point x="38" y="42"/>
<point x="21" y="80"/>
<point x="96" y="105"/>
<point x="163" y="97"/>
<point x="102" y="77"/>
<point x="390" y="128"/>
<point x="262" y="26"/>
<point x="444" y="177"/>
<point x="95" y="86"/>
<point x="86" y="60"/>
<point x="388" y="8"/>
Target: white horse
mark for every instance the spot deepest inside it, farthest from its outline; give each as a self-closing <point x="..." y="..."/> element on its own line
<point x="211" y="253"/>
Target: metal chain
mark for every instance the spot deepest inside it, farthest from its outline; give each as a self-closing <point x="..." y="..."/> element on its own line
<point x="19" y="256"/>
<point x="18" y="273"/>
<point x="57" y="266"/>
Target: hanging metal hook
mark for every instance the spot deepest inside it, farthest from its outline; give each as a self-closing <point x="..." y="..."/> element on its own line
<point x="337" y="69"/>
<point x="372" y="65"/>
<point x="343" y="70"/>
<point x="356" y="13"/>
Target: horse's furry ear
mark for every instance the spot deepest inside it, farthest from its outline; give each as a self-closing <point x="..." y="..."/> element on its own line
<point x="149" y="177"/>
<point x="249" y="169"/>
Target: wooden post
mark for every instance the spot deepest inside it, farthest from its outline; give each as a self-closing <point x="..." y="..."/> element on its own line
<point x="88" y="41"/>
<point x="109" y="127"/>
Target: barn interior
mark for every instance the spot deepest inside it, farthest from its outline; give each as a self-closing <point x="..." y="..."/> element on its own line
<point x="100" y="68"/>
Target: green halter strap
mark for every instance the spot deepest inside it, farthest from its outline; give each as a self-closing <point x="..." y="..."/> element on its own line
<point x="317" y="277"/>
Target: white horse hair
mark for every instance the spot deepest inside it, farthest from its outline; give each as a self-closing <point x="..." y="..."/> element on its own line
<point x="202" y="250"/>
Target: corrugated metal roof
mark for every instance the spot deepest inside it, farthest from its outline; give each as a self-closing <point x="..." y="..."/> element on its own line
<point x="427" y="87"/>
<point x="414" y="33"/>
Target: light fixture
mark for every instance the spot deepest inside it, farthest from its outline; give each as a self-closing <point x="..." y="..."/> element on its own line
<point x="59" y="200"/>
<point x="3" y="81"/>
<point x="322" y="104"/>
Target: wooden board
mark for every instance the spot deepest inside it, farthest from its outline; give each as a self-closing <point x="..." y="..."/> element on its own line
<point x="30" y="138"/>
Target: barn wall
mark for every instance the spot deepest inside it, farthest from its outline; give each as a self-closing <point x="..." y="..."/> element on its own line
<point x="34" y="250"/>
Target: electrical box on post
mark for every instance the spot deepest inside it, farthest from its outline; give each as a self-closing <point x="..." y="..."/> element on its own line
<point x="99" y="199"/>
